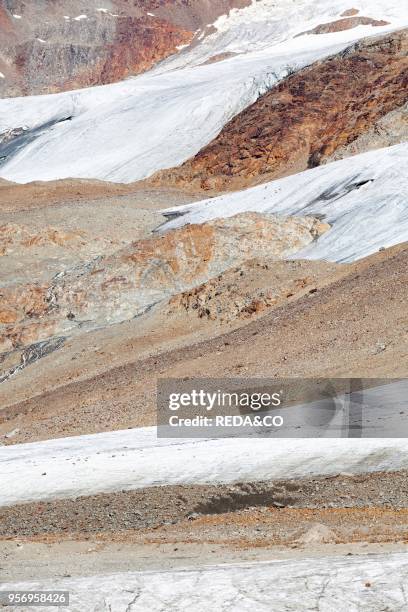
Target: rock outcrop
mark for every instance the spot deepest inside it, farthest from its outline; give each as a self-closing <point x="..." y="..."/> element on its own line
<point x="390" y="130"/>
<point x="250" y="289"/>
<point x="304" y="120"/>
<point x="123" y="285"/>
<point x="350" y="12"/>
<point x="347" y="23"/>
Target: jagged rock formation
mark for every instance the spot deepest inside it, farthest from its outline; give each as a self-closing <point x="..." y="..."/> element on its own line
<point x="304" y="120"/>
<point x="53" y="46"/>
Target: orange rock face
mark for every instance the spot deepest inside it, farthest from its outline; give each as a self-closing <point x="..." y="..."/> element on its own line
<point x="303" y="120"/>
<point x="137" y="46"/>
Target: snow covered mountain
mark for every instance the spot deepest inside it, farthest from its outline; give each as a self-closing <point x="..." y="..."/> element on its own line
<point x="116" y="132"/>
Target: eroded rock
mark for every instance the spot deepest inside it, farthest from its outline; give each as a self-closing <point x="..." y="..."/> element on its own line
<point x="347" y="23"/>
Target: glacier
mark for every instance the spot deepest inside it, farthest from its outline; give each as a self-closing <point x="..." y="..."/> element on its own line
<point x="364" y="198"/>
<point x="367" y="582"/>
<point x="127" y="131"/>
<point x="135" y="458"/>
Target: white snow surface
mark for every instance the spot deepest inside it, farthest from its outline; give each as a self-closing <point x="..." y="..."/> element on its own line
<point x="133" y="459"/>
<point x="270" y="22"/>
<point x="328" y="584"/>
<point x="364" y="198"/>
<point x="126" y="131"/>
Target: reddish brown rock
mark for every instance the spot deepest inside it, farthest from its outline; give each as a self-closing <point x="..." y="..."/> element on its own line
<point x="304" y="120"/>
<point x="344" y="24"/>
<point x="136" y="45"/>
<point x="350" y="12"/>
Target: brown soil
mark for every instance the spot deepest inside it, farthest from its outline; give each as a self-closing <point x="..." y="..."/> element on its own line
<point x="15" y="198"/>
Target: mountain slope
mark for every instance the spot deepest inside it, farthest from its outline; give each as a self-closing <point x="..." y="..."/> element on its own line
<point x="55" y="46"/>
<point x="334" y="328"/>
<point x="303" y="121"/>
<point x="116" y="132"/>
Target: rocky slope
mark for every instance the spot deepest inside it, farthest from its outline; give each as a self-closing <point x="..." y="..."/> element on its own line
<point x="111" y="288"/>
<point x="304" y="120"/>
<point x="332" y="327"/>
<point x="53" y="46"/>
<point x="166" y="510"/>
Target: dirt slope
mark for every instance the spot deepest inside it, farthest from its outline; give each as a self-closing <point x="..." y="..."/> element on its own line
<point x="334" y="328"/>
